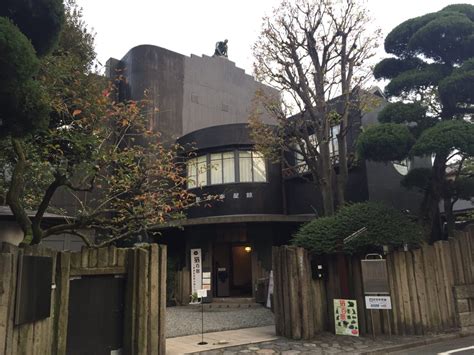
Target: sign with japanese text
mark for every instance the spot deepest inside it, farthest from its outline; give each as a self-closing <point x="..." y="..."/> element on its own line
<point x="378" y="302"/>
<point x="206" y="281"/>
<point x="196" y="270"/>
<point x="345" y="317"/>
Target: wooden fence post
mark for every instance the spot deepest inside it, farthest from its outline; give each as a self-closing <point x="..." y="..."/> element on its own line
<point x="277" y="292"/>
<point x="163" y="257"/>
<point x="142" y="302"/>
<point x="153" y="306"/>
<point x="6" y="268"/>
<point x="62" y="303"/>
<point x="129" y="340"/>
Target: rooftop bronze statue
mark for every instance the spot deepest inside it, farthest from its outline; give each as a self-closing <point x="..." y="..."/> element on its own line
<point x="221" y="49"/>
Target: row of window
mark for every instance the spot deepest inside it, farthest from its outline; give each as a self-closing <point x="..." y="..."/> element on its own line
<point x="226" y="167"/>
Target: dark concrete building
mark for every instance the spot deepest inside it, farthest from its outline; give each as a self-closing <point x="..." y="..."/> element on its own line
<point x="205" y="102"/>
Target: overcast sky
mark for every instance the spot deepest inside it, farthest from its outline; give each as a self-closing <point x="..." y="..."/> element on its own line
<point x="194" y="26"/>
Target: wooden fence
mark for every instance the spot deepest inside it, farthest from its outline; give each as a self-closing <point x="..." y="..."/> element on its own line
<point x="144" y="315"/>
<point x="421" y="286"/>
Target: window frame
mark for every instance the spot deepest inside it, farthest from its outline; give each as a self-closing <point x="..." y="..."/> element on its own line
<point x="236" y="168"/>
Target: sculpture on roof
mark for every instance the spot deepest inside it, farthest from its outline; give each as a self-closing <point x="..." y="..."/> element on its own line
<point x="221" y="49"/>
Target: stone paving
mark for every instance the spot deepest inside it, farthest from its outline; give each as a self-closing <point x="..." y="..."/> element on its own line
<point x="324" y="344"/>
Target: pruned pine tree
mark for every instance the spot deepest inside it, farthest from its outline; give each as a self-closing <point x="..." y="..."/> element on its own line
<point x="431" y="86"/>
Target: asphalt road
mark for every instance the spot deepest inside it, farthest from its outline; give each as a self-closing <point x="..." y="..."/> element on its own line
<point x="459" y="346"/>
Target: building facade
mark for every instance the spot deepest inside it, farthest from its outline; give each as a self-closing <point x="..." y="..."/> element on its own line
<point x="204" y="104"/>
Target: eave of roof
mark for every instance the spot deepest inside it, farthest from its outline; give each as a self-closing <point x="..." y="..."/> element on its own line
<point x="6" y="212"/>
<point x="241" y="218"/>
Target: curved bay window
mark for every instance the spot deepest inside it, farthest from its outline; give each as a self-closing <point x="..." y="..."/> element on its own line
<point x="225" y="168"/>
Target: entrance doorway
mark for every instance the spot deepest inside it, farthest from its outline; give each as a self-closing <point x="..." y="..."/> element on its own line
<point x="233" y="270"/>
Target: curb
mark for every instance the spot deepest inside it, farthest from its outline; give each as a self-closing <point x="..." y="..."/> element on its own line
<point x="415" y="344"/>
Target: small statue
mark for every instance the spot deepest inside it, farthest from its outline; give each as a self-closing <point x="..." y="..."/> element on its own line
<point x="221" y="49"/>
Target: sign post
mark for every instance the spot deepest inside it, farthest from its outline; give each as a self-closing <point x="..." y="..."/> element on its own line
<point x="376" y="287"/>
<point x="201" y="294"/>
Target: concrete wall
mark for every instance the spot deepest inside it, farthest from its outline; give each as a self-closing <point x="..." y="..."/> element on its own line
<point x="216" y="92"/>
<point x="188" y="93"/>
<point x="383" y="180"/>
<point x="10" y="232"/>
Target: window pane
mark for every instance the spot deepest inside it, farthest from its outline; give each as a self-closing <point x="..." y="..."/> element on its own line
<point x="216" y="168"/>
<point x="228" y="159"/>
<point x="259" y="171"/>
<point x="191" y="173"/>
<point x="202" y="170"/>
<point x="333" y="146"/>
<point x="229" y="167"/>
<point x="245" y="166"/>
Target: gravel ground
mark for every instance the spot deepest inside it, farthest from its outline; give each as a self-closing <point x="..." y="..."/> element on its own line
<point x="182" y="321"/>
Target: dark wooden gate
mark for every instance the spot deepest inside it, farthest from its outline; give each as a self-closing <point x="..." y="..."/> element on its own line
<point x="96" y="315"/>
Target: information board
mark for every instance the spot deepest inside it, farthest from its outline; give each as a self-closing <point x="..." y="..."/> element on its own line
<point x="374" y="276"/>
<point x="378" y="302"/>
<point x="346" y="319"/>
<point x="206" y="281"/>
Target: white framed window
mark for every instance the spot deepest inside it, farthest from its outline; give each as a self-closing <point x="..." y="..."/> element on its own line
<point x="196" y="169"/>
<point x="333" y="144"/>
<point x="191" y="173"/>
<point x="245" y="166"/>
<point x="252" y="167"/>
<point x="228" y="167"/>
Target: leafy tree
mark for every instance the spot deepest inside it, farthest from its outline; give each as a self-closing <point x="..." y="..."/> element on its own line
<point x="385" y="226"/>
<point x="23" y="103"/>
<point x="431" y="87"/>
<point x="40" y="21"/>
<point x="100" y="153"/>
<point x="315" y="53"/>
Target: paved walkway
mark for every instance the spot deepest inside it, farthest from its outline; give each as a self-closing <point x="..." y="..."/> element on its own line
<point x="262" y="340"/>
<point x="217" y="340"/>
<point x="182" y="321"/>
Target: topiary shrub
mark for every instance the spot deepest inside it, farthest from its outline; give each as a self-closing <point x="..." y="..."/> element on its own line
<point x="385" y="226"/>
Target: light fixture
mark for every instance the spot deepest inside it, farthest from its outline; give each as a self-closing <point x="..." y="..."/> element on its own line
<point x="248" y="249"/>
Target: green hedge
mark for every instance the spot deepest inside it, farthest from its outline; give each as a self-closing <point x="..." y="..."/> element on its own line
<point x="385" y="226"/>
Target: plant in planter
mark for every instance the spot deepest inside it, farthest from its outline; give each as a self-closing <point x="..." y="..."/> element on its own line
<point x="194" y="298"/>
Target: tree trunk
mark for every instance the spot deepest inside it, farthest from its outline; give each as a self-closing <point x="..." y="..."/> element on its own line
<point x="326" y="180"/>
<point x="450" y="220"/>
<point x="433" y="198"/>
<point x="15" y="192"/>
<point x="343" y="173"/>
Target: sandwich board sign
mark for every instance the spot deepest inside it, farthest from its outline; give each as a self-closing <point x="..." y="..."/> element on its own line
<point x="345" y="317"/>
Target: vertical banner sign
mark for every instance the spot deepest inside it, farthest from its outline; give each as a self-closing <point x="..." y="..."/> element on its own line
<point x="196" y="270"/>
<point x="270" y="290"/>
<point x="345" y="317"/>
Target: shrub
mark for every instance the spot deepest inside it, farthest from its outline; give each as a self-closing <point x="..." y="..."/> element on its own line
<point x="385" y="226"/>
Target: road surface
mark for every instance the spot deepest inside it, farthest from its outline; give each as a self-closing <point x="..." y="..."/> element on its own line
<point x="459" y="346"/>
